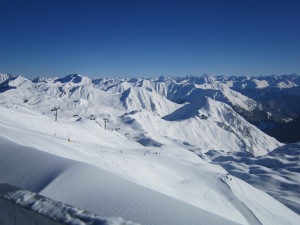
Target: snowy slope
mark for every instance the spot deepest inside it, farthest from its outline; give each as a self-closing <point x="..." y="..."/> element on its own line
<point x="4" y="77"/>
<point x="187" y="125"/>
<point x="115" y="175"/>
<point x="277" y="173"/>
<point x="22" y="207"/>
<point x="136" y="98"/>
<point x="79" y="98"/>
<point x="94" y="189"/>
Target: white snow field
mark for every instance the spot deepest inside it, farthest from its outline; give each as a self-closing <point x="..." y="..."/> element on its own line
<point x="108" y="174"/>
<point x="145" y="166"/>
<point x="21" y="207"/>
<point x="277" y="173"/>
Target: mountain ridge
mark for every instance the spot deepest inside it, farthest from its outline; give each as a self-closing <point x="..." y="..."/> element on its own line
<point x="78" y="95"/>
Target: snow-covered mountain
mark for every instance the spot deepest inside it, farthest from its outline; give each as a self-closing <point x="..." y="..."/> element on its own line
<point x="264" y="98"/>
<point x="278" y="96"/>
<point x="201" y="121"/>
<point x="265" y="101"/>
<point x="143" y="163"/>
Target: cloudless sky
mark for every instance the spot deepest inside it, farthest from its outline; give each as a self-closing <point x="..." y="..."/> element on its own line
<point x="105" y="38"/>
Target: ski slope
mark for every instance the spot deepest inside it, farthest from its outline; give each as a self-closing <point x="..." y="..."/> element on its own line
<point x="103" y="171"/>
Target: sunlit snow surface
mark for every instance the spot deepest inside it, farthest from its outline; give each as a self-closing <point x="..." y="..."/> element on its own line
<point x="58" y="211"/>
<point x="277" y="173"/>
<point x="145" y="167"/>
<point x="114" y="176"/>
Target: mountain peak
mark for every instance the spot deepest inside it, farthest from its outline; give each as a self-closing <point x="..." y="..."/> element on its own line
<point x="73" y="78"/>
<point x="4" y="77"/>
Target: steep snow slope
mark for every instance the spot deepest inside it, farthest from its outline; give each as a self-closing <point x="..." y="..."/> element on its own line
<point x="277" y="173"/>
<point x="136" y="98"/>
<point x="22" y="207"/>
<point x="112" y="174"/>
<point x="5" y="77"/>
<point x="189" y="124"/>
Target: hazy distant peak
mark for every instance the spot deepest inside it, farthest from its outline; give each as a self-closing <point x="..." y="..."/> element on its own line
<point x="4" y="77"/>
<point x="73" y="78"/>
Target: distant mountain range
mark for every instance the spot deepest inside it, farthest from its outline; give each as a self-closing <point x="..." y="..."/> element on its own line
<point x="269" y="102"/>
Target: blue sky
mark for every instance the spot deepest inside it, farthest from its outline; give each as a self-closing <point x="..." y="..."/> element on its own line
<point x="106" y="38"/>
